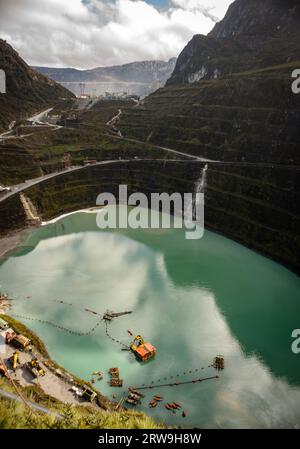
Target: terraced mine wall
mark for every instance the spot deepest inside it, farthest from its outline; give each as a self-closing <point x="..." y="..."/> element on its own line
<point x="247" y="117"/>
<point x="240" y="199"/>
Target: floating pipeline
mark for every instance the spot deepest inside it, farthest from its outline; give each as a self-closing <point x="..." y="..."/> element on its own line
<point x="175" y="384"/>
<point x="49" y="323"/>
<point x="114" y="339"/>
<point x="184" y="373"/>
<point x="65" y="303"/>
<point x="72" y="331"/>
<point x="143" y="386"/>
<point x="152" y="385"/>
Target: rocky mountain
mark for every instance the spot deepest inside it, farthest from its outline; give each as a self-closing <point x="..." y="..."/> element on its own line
<point x="230" y="100"/>
<point x="230" y="97"/>
<point x="254" y="34"/>
<point x="138" y="78"/>
<point x="26" y="90"/>
<point x="259" y="18"/>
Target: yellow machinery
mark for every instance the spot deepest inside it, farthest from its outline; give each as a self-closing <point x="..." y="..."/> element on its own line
<point x="35" y="368"/>
<point x="15" y="360"/>
<point x="138" y="341"/>
<point x="141" y="349"/>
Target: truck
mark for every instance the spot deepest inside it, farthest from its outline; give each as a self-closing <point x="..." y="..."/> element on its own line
<point x="17" y="340"/>
<point x="15" y="360"/>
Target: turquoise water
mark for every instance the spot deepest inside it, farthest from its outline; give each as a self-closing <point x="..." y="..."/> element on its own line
<point x="191" y="299"/>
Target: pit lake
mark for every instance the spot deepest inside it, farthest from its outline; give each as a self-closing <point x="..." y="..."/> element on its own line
<point x="191" y="299"/>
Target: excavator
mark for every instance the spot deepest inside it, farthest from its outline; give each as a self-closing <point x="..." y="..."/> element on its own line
<point x="35" y="368"/>
<point x="138" y="340"/>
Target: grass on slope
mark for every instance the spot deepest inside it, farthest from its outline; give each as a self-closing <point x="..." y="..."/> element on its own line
<point x="21" y="329"/>
<point x="14" y="415"/>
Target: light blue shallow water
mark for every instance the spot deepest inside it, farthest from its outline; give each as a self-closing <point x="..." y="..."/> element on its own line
<point x="190" y="299"/>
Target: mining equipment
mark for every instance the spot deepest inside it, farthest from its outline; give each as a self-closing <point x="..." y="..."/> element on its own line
<point x="134" y="391"/>
<point x="88" y="393"/>
<point x="115" y="380"/>
<point x="35" y="368"/>
<point x="133" y="399"/>
<point x="142" y="350"/>
<point x="17" y="340"/>
<point x="15" y="360"/>
<point x="108" y="316"/>
<point x="219" y="362"/>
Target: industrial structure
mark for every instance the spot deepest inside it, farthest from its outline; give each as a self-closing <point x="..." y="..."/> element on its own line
<point x="142" y="350"/>
<point x="17" y="340"/>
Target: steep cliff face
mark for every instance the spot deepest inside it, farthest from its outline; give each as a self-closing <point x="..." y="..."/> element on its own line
<point x="26" y="90"/>
<point x="230" y="99"/>
<point x="259" y="18"/>
<point x="253" y="34"/>
<point x="230" y="95"/>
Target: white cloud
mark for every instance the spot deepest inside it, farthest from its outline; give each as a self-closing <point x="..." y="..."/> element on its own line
<point x="89" y="33"/>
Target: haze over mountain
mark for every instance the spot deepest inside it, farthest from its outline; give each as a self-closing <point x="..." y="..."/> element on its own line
<point x="140" y="78"/>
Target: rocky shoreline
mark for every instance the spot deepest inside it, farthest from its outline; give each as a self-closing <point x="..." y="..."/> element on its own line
<point x="11" y="241"/>
<point x="57" y="381"/>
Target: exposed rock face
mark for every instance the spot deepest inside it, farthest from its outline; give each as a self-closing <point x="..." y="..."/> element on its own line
<point x="254" y="34"/>
<point x="26" y="90"/>
<point x="138" y="78"/>
<point x="230" y="96"/>
<point x="259" y="18"/>
<point x="230" y="99"/>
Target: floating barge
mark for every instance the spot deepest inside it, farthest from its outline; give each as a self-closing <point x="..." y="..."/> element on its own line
<point x="115" y="380"/>
<point x="142" y="350"/>
<point x="219" y="362"/>
<point x="108" y="316"/>
<point x="134" y="397"/>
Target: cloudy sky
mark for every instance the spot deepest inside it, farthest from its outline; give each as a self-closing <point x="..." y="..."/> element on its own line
<point x="91" y="33"/>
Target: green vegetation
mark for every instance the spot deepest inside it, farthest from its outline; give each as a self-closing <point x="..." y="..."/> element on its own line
<point x="42" y="151"/>
<point x="248" y="117"/>
<point x="27" y="91"/>
<point x="18" y="416"/>
<point x="14" y="415"/>
<point x="22" y="329"/>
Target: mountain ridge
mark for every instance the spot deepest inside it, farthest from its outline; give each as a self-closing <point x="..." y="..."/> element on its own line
<point x="243" y="40"/>
<point x="145" y="76"/>
<point x="27" y="91"/>
<point x="230" y="100"/>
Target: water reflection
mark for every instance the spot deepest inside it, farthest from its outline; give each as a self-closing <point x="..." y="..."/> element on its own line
<point x="190" y="301"/>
